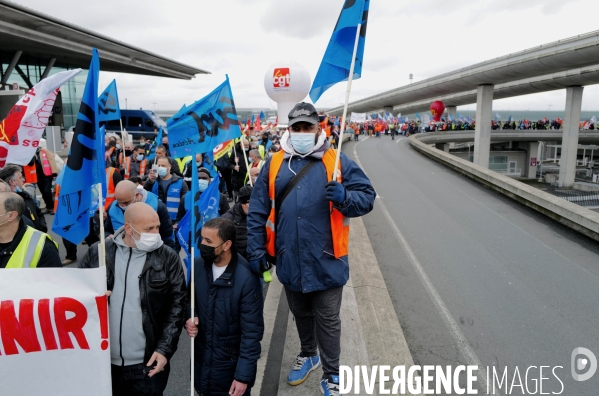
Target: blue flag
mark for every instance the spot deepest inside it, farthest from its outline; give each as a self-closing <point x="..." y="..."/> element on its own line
<point x="253" y="121"/>
<point x="509" y="119"/>
<point x="207" y="123"/>
<point x="176" y="117"/>
<point x="85" y="166"/>
<point x="152" y="154"/>
<point x="418" y="116"/>
<point x="209" y="164"/>
<point x="262" y="117"/>
<point x="336" y="63"/>
<point x="108" y="104"/>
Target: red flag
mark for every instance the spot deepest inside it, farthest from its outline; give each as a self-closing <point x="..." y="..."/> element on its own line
<point x="258" y="124"/>
<point x="277" y="121"/>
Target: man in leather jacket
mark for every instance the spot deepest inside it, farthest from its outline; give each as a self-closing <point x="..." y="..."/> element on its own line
<point x="146" y="305"/>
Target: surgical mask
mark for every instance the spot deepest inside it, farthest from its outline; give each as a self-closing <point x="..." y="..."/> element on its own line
<point x="162" y="171"/>
<point x="302" y="143"/>
<point x="18" y="189"/>
<point x="118" y="146"/>
<point x="208" y="253"/>
<point x="147" y="242"/>
<point x="203" y="184"/>
<point x="139" y="157"/>
<point x="250" y="160"/>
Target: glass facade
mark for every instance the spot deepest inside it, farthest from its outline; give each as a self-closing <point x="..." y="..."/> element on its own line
<point x="28" y="73"/>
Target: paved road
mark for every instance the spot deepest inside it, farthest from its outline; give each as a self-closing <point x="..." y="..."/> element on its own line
<point x="476" y="277"/>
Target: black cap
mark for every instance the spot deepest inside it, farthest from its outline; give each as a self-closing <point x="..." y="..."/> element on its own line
<point x="303" y="112"/>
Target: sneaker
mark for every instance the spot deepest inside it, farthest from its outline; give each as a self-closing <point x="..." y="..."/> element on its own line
<point x="330" y="386"/>
<point x="301" y="369"/>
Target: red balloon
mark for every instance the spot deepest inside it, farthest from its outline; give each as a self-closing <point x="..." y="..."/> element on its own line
<point x="437" y="109"/>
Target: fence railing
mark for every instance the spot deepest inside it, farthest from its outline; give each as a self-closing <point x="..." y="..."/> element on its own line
<point x="582" y="198"/>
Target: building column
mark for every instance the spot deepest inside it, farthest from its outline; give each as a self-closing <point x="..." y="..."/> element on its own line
<point x="482" y="133"/>
<point x="48" y="68"/>
<point x="532" y="160"/>
<point x="10" y="68"/>
<point x="567" y="167"/>
<point x="453" y="112"/>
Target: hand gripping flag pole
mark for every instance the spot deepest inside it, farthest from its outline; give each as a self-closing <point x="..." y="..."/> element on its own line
<point x="247" y="167"/>
<point x="349" y="81"/>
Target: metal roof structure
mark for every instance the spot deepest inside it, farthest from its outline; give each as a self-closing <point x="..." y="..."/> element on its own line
<point x="569" y="56"/>
<point x="45" y="37"/>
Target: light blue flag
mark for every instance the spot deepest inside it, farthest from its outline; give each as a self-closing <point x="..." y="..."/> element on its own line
<point x="450" y="118"/>
<point x="209" y="164"/>
<point x="262" y="117"/>
<point x="418" y="116"/>
<point x="509" y="119"/>
<point x="85" y="166"/>
<point x="209" y="203"/>
<point x="176" y="117"/>
<point x="108" y="104"/>
<point x="336" y="63"/>
<point x="152" y="154"/>
<point x="182" y="235"/>
<point x="207" y="123"/>
<point x="253" y="121"/>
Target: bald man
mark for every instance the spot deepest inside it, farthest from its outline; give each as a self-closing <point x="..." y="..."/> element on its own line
<point x="22" y="246"/>
<point x="127" y="193"/>
<point x="147" y="302"/>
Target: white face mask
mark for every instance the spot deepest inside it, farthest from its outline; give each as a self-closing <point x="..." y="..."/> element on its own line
<point x="147" y="242"/>
<point x="302" y="143"/>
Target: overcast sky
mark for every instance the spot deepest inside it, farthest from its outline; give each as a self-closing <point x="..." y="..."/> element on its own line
<point x="243" y="38"/>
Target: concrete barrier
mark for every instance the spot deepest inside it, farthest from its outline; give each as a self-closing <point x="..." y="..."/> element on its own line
<point x="571" y="215"/>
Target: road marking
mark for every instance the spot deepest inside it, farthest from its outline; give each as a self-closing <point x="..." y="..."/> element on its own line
<point x="461" y="341"/>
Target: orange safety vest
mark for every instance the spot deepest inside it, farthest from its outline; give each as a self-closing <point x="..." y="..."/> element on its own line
<point x="142" y="167"/>
<point x="339" y="223"/>
<point x="30" y="173"/>
<point x="110" y="190"/>
<point x="325" y="127"/>
<point x="46" y="164"/>
<point x="56" y="194"/>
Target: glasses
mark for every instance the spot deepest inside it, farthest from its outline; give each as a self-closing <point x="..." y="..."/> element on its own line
<point x="303" y="127"/>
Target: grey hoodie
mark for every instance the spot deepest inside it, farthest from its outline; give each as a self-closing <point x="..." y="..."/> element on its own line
<point x="127" y="338"/>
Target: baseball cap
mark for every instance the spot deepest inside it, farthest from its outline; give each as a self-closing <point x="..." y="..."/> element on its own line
<point x="303" y="112"/>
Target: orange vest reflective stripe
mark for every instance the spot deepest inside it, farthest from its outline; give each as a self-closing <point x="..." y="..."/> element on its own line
<point x="46" y="164"/>
<point x="30" y="173"/>
<point x="339" y="223"/>
<point x="56" y="194"/>
<point x="142" y="167"/>
<point x="110" y="189"/>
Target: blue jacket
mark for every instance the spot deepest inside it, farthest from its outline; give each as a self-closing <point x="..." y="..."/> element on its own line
<point x="176" y="190"/>
<point x="231" y="325"/>
<point x="304" y="244"/>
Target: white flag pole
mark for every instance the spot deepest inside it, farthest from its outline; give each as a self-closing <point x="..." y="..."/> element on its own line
<point x="349" y="81"/>
<point x="193" y="305"/>
<point x="102" y="250"/>
<point x="247" y="167"/>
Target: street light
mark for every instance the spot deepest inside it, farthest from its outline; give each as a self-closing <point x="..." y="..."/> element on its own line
<point x="411" y="78"/>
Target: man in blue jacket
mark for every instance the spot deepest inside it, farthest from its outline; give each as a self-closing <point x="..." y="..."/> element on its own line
<point x="307" y="231"/>
<point x="228" y="312"/>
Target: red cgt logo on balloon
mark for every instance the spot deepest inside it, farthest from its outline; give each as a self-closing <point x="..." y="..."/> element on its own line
<point x="437" y="109"/>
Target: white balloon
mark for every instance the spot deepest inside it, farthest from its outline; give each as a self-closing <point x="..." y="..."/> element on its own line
<point x="287" y="83"/>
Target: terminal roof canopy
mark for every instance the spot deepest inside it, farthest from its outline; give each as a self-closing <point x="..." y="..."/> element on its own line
<point x="556" y="65"/>
<point x="45" y="37"/>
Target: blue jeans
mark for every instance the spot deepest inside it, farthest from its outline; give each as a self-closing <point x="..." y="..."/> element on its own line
<point x="134" y="381"/>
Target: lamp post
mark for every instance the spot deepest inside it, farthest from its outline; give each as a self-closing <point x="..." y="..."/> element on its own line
<point x="411" y="78"/>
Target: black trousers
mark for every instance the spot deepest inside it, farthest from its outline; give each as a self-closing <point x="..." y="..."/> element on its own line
<point x="227" y="176"/>
<point x="44" y="183"/>
<point x="134" y="381"/>
<point x="319" y="325"/>
<point x="90" y="239"/>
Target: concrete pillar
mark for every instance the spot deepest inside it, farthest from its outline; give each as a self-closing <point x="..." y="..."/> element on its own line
<point x="567" y="168"/>
<point x="453" y="112"/>
<point x="48" y="68"/>
<point x="482" y="134"/>
<point x="442" y="147"/>
<point x="10" y="68"/>
<point x="532" y="157"/>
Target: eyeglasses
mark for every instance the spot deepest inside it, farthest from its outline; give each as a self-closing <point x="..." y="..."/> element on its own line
<point x="303" y="127"/>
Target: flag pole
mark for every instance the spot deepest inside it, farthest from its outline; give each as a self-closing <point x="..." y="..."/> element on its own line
<point x="102" y="250"/>
<point x="247" y="167"/>
<point x="349" y="81"/>
<point x="193" y="302"/>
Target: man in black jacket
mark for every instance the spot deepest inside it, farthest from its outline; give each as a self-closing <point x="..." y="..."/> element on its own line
<point x="238" y="167"/>
<point x="146" y="306"/>
<point x="238" y="215"/>
<point x="229" y="313"/>
<point x="13" y="176"/>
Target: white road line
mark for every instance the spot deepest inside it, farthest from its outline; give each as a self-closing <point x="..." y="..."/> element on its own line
<point x="454" y="329"/>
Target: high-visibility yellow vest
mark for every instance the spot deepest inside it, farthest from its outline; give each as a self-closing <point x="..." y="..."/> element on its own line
<point x="28" y="253"/>
<point x="182" y="161"/>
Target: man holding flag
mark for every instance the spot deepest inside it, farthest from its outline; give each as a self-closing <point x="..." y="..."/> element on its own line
<point x="308" y="234"/>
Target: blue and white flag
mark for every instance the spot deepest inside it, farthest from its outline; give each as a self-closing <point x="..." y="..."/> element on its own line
<point x="417" y="116"/>
<point x="152" y="154"/>
<point x="207" y="123"/>
<point x="450" y="118"/>
<point x="85" y="166"/>
<point x="497" y="117"/>
<point x="336" y="63"/>
<point x="509" y="119"/>
<point x="108" y="104"/>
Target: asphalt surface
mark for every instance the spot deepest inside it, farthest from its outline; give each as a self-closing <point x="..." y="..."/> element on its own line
<point x="477" y="277"/>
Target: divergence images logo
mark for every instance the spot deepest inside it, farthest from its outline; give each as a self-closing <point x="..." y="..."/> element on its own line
<point x="281" y="77"/>
<point x="580" y="363"/>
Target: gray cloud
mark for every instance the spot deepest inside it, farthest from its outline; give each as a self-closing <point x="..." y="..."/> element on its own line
<point x="300" y="19"/>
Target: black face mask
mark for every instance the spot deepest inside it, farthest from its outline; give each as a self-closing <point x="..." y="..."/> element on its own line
<point x="165" y="145"/>
<point x="207" y="253"/>
<point x="128" y="152"/>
